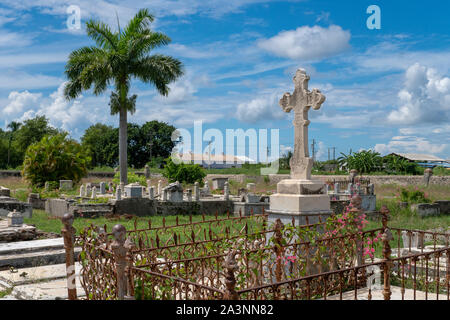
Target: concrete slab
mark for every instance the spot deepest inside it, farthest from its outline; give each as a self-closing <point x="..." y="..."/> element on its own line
<point x="363" y="293"/>
<point x="32" y="245"/>
<point x="53" y="290"/>
<point x="32" y="275"/>
<point x="40" y="283"/>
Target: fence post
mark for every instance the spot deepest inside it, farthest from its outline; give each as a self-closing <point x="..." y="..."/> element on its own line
<point x="68" y="232"/>
<point x="278" y="234"/>
<point x="129" y="246"/>
<point x="120" y="254"/>
<point x="387" y="236"/>
<point x="230" y="281"/>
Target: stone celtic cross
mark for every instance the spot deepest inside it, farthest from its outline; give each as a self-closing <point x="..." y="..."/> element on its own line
<point x="301" y="101"/>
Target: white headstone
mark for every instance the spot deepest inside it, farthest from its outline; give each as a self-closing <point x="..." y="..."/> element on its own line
<point x="196" y="191"/>
<point x="82" y="191"/>
<point x="226" y="191"/>
<point x="94" y="192"/>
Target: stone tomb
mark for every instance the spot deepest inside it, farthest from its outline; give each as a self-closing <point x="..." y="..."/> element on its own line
<point x="174" y="192"/>
<point x="219" y="183"/>
<point x="300" y="196"/>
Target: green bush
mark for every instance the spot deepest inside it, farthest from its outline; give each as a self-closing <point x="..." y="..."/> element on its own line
<point x="132" y="178"/>
<point x="55" y="158"/>
<point x="413" y="196"/>
<point x="188" y="173"/>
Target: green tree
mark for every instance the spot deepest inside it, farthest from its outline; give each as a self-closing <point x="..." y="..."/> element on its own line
<point x="13" y="126"/>
<point x="55" y="158"/>
<point x="182" y="172"/>
<point x="364" y="161"/>
<point x="31" y="131"/>
<point x="152" y="140"/>
<point x="117" y="58"/>
<point x="96" y="140"/>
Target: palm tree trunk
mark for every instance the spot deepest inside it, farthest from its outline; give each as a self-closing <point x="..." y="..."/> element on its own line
<point x="123" y="135"/>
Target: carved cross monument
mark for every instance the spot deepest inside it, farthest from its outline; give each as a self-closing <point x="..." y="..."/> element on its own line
<point x="301" y="101"/>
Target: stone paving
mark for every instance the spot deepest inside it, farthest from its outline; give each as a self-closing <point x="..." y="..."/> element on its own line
<point x="362" y="294"/>
<point x="39" y="283"/>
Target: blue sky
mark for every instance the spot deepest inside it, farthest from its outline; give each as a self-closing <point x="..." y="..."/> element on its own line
<point x="386" y="89"/>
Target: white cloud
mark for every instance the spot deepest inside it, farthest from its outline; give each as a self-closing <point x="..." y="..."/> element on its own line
<point x="410" y="144"/>
<point x="20" y="101"/>
<point x="425" y="98"/>
<point x="264" y="108"/>
<point x="308" y="43"/>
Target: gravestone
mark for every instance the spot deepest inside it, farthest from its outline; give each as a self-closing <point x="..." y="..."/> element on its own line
<point x="94" y="193"/>
<point x="65" y="184"/>
<point x="147" y="171"/>
<point x="226" y="191"/>
<point x="102" y="187"/>
<point x="300" y="196"/>
<point x="197" y="191"/>
<point x="218" y="183"/>
<point x="133" y="190"/>
<point x="174" y="192"/>
<point x="118" y="193"/>
<point x="159" y="188"/>
<point x="88" y="189"/>
<point x="82" y="191"/>
<point x="15" y="219"/>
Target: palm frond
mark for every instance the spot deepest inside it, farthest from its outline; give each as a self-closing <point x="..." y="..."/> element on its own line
<point x="140" y="22"/>
<point x="102" y="34"/>
<point x="158" y="70"/>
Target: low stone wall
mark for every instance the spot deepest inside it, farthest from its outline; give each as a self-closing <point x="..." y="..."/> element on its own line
<point x="379" y="180"/>
<point x="147" y="207"/>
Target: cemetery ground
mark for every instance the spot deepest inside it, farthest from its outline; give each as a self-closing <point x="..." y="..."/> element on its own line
<point x="387" y="194"/>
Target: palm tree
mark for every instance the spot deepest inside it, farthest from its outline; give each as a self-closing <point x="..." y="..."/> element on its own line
<point x="14" y="126"/>
<point x="117" y="58"/>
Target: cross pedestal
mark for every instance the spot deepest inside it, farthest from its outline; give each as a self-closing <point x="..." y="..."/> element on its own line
<point x="300" y="197"/>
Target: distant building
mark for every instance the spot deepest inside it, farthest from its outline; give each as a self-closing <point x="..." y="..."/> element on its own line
<point x="215" y="161"/>
<point x="424" y="160"/>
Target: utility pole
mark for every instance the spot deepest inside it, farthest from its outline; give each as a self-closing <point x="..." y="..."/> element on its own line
<point x="334" y="153"/>
<point x="209" y="154"/>
<point x="313" y="148"/>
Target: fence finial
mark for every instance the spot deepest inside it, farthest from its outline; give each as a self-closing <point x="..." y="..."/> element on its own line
<point x="68" y="232"/>
<point x="230" y="281"/>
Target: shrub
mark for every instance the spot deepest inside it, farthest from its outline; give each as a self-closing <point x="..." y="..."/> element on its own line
<point x="55" y="158"/>
<point x="413" y="196"/>
<point x="188" y="173"/>
<point x="132" y="178"/>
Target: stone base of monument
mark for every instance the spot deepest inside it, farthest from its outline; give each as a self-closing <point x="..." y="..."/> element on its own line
<point x="303" y="200"/>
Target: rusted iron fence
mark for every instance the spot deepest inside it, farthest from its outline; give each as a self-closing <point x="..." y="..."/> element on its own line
<point x="248" y="258"/>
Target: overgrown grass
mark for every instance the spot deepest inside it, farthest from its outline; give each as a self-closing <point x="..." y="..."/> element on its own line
<point x="407" y="219"/>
